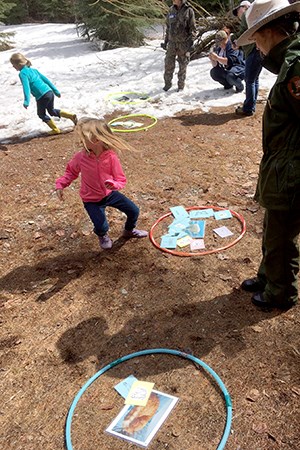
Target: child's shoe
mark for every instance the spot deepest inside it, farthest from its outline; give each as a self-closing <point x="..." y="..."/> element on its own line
<point x="105" y="242"/>
<point x="128" y="234"/>
<point x="70" y="116"/>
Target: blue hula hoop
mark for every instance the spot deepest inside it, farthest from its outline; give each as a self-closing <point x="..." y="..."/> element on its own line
<point x="192" y="358"/>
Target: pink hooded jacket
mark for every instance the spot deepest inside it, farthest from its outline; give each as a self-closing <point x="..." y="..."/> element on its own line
<point x="95" y="170"/>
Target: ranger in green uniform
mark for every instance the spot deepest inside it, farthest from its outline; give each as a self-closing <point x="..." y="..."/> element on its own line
<point x="179" y="38"/>
<point x="274" y="26"/>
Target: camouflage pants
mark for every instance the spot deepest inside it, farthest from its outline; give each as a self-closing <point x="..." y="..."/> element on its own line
<point x="180" y="50"/>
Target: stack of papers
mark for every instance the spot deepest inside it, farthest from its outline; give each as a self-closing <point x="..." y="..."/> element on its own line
<point x="144" y="412"/>
<point x="188" y="228"/>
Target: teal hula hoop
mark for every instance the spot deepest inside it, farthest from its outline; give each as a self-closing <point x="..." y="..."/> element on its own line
<point x="192" y="358"/>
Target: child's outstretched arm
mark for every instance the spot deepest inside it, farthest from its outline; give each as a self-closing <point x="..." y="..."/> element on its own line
<point x="26" y="89"/>
<point x="118" y="179"/>
<point x="71" y="173"/>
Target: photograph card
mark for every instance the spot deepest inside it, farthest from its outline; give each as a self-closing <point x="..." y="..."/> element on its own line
<point x="139" y="424"/>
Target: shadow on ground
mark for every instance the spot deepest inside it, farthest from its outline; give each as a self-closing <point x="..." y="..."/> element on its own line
<point x="199" y="328"/>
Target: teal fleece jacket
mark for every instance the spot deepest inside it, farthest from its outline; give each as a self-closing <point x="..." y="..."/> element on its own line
<point x="35" y="83"/>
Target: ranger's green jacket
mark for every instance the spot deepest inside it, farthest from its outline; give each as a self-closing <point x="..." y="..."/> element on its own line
<point x="278" y="185"/>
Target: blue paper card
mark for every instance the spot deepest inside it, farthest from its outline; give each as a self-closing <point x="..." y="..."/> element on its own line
<point x="181" y="234"/>
<point x="179" y="211"/>
<point x="124" y="386"/>
<point x="178" y="226"/>
<point x="201" y="213"/>
<point x="196" y="229"/>
<point x="223" y="214"/>
<point x="168" y="241"/>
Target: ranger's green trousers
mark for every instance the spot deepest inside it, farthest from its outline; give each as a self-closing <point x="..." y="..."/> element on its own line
<point x="280" y="262"/>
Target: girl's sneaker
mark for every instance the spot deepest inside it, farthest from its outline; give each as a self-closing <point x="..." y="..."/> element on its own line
<point x="105" y="242"/>
<point x="135" y="233"/>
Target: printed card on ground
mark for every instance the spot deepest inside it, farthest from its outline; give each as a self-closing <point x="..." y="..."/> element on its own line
<point x="183" y="242"/>
<point x="139" y="424"/>
<point x="197" y="244"/>
<point x="124" y="386"/>
<point x="139" y="393"/>
<point x="224" y="214"/>
<point x="180" y="223"/>
<point x="168" y="242"/>
<point x="196" y="228"/>
<point x="179" y="211"/>
<point x="201" y="213"/>
<point x="223" y="232"/>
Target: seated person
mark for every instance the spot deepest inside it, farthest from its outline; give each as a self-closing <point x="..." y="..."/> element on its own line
<point x="228" y="64"/>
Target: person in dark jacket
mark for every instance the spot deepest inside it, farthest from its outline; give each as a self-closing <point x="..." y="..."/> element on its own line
<point x="228" y="64"/>
<point x="274" y="26"/>
<point x="179" y="39"/>
<point x="253" y="64"/>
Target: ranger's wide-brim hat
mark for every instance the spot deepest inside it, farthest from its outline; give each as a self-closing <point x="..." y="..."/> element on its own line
<point x="262" y="12"/>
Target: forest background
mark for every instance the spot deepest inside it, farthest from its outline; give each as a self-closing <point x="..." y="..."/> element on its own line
<point x="114" y="22"/>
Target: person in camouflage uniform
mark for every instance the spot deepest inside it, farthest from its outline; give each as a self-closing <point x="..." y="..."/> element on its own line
<point x="274" y="27"/>
<point x="179" y="38"/>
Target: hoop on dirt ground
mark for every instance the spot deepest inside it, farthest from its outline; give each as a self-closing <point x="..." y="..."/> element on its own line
<point x="150" y="122"/>
<point x="162" y="225"/>
<point x="187" y="356"/>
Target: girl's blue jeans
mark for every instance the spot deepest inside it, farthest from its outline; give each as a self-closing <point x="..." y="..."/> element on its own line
<point x="96" y="211"/>
<point x="44" y="104"/>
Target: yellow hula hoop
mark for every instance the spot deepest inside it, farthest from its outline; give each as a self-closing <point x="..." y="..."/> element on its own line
<point x="146" y="127"/>
<point x="115" y="101"/>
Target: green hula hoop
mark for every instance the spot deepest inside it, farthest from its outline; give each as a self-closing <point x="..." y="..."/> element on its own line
<point x="146" y="127"/>
<point x="142" y="98"/>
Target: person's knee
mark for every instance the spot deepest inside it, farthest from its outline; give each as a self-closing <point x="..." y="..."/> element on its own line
<point x="53" y="112"/>
<point x="213" y="75"/>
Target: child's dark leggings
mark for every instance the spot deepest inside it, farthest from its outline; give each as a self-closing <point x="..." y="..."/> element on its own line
<point x="96" y="211"/>
<point x="46" y="103"/>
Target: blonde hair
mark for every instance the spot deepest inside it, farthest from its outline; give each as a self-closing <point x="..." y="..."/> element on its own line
<point x="95" y="130"/>
<point x="19" y="61"/>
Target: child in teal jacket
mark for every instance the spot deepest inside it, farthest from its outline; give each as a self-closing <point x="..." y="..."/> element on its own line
<point x="42" y="89"/>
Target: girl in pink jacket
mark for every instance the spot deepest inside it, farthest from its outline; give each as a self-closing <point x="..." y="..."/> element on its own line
<point x="101" y="179"/>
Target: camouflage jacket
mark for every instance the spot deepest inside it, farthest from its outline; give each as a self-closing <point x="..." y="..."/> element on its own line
<point x="181" y="25"/>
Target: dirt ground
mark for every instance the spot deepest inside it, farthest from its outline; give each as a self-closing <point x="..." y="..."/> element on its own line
<point x="68" y="308"/>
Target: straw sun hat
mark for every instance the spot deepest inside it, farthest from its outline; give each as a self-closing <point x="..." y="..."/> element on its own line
<point x="262" y="12"/>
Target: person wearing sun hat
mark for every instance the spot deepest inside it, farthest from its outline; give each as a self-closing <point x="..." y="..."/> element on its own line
<point x="274" y="26"/>
<point x="242" y="5"/>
